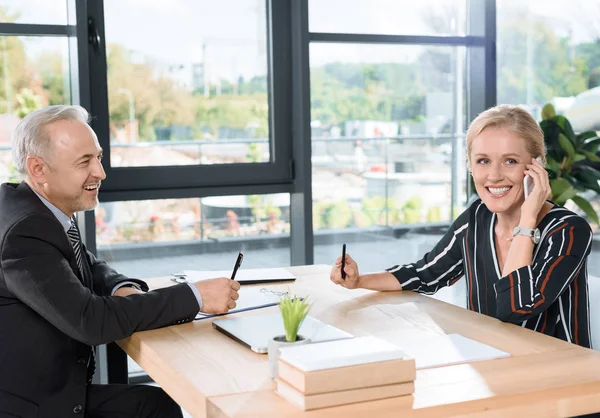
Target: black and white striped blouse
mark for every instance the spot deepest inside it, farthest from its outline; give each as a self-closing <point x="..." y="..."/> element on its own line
<point x="549" y="296"/>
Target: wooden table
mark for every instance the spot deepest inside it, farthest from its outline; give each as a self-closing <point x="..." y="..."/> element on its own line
<point x="211" y="375"/>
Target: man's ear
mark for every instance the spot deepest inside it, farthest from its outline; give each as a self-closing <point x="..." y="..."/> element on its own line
<point x="36" y="169"/>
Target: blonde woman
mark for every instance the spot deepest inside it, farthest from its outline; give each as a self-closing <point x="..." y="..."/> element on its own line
<point x="523" y="259"/>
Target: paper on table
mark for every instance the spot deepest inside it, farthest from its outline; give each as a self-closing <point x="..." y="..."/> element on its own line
<point x="341" y="353"/>
<point x="444" y="350"/>
<point x="250" y="298"/>
<point x="246" y="275"/>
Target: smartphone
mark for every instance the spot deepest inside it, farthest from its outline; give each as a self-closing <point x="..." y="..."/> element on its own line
<point x="528" y="182"/>
<point x="343" y="261"/>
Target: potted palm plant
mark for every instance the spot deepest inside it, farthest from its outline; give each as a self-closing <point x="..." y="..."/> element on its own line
<point x="293" y="312"/>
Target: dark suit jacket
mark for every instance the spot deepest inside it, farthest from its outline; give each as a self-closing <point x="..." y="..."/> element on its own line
<point x="49" y="320"/>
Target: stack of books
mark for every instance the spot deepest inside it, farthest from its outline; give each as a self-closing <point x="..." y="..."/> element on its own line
<point x="321" y="375"/>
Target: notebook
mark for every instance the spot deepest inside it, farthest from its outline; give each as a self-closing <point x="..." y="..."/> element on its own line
<point x="250" y="298"/>
<point x="244" y="276"/>
<point x="255" y="331"/>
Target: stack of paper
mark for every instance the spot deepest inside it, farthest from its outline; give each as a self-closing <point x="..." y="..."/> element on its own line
<point x="345" y="371"/>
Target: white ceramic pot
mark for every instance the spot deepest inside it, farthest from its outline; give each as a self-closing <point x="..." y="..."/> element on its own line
<point x="275" y="344"/>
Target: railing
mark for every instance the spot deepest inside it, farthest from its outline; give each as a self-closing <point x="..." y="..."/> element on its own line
<point x="377" y="163"/>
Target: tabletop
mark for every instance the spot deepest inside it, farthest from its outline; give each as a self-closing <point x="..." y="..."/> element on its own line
<point x="211" y="375"/>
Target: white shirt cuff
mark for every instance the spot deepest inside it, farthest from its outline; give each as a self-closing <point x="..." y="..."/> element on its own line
<point x="197" y="294"/>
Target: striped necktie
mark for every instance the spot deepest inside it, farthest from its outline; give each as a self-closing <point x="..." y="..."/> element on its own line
<point x="75" y="240"/>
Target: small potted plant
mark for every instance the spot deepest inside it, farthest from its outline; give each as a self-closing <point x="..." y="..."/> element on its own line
<point x="293" y="312"/>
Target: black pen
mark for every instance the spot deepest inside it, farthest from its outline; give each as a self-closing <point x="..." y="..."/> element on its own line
<point x="238" y="263"/>
<point x="343" y="261"/>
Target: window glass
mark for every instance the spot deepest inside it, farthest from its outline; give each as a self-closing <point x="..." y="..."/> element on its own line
<point x="187" y="82"/>
<point x="34" y="72"/>
<point x="388" y="17"/>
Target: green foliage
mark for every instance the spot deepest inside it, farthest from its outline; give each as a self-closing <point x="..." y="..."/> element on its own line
<point x="27" y="102"/>
<point x="334" y="215"/>
<point x="254" y="154"/>
<point x="567" y="161"/>
<point x="375" y="209"/>
<point x="556" y="73"/>
<point x="293" y="312"/>
<point x="263" y="207"/>
<point x="434" y="214"/>
<point x="412" y="210"/>
<point x="13" y="174"/>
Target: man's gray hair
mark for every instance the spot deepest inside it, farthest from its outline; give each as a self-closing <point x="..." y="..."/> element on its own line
<point x="30" y="137"/>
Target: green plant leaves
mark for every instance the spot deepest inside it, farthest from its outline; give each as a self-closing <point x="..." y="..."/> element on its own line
<point x="587" y="208"/>
<point x="548" y="111"/>
<point x="568" y="159"/>
<point x="588" y="177"/>
<point x="551" y="131"/>
<point x="590" y="156"/>
<point x="559" y="186"/>
<point x="564" y="124"/>
<point x="567" y="146"/>
<point x="592" y="144"/>
<point x="583" y="137"/>
<point x="293" y="311"/>
<point x="566" y="195"/>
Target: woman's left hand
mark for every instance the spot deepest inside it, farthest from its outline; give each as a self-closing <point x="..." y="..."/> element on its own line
<point x="536" y="199"/>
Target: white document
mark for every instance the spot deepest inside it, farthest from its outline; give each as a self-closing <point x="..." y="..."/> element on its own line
<point x="340" y="353"/>
<point x="249" y="275"/>
<point x="444" y="350"/>
<point x="250" y="298"/>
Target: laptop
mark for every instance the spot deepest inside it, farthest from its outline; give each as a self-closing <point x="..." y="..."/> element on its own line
<point x="255" y="331"/>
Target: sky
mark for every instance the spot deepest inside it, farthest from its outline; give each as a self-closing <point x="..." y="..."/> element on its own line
<point x="232" y="33"/>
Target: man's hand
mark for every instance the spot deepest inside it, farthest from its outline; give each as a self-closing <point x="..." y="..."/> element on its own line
<point x="351" y="269"/>
<point x="218" y="295"/>
<point x="127" y="290"/>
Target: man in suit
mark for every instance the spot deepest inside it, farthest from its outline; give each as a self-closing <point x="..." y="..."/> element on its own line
<point x="57" y="300"/>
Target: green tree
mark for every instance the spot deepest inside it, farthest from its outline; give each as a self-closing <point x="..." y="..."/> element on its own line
<point x="158" y="101"/>
<point x="27" y="102"/>
<point x="55" y="78"/>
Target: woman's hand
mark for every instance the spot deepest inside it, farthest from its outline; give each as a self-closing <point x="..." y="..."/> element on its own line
<point x="536" y="199"/>
<point x="351" y="270"/>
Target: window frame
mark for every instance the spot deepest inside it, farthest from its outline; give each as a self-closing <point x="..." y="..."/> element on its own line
<point x="278" y="171"/>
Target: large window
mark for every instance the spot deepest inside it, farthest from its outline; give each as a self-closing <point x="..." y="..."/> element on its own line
<point x="202" y="110"/>
<point x="548" y="52"/>
<point x="195" y="93"/>
<point x="385" y="120"/>
<point x="153" y="238"/>
<point x="189" y="85"/>
<point x="392" y="89"/>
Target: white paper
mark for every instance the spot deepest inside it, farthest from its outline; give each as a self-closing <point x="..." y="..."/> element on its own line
<point x="250" y="298"/>
<point x="340" y="353"/>
<point x="241" y="275"/>
<point x="444" y="350"/>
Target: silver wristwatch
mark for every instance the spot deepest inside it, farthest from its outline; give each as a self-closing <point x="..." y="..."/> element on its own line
<point x="534" y="234"/>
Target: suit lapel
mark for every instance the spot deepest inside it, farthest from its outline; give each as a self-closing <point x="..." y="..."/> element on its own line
<point x="86" y="275"/>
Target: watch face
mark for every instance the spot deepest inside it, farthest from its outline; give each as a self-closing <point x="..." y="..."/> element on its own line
<point x="536" y="235"/>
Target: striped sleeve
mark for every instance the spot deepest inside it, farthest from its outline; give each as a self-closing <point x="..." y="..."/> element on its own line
<point x="530" y="290"/>
<point x="440" y="267"/>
